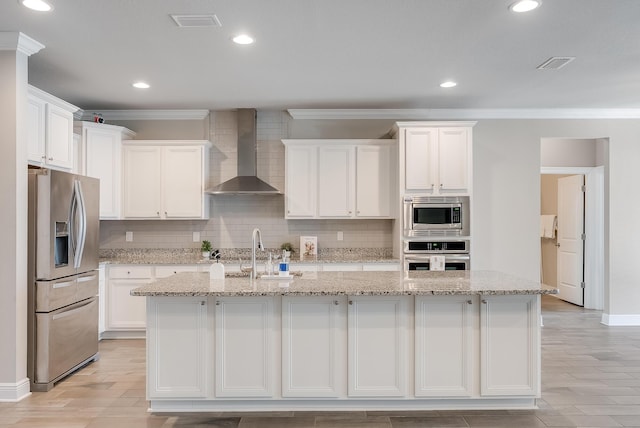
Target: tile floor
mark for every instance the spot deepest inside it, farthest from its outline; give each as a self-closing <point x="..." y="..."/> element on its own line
<point x="590" y="378"/>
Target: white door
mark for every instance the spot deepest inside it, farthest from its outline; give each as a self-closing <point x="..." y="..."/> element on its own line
<point x="182" y="182"/>
<point x="570" y="243"/>
<point x="373" y="181"/>
<point x="336" y="179"/>
<point x="142" y="176"/>
<point x="301" y="181"/>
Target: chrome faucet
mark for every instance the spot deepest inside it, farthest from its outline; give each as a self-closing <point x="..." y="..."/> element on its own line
<point x="258" y="235"/>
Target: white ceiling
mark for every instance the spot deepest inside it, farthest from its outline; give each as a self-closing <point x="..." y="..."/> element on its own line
<point x="334" y="54"/>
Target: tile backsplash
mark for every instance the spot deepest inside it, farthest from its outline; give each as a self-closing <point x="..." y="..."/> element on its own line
<point x="232" y="218"/>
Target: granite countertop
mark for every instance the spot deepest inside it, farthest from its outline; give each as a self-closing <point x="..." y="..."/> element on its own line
<point x="234" y="256"/>
<point x="348" y="283"/>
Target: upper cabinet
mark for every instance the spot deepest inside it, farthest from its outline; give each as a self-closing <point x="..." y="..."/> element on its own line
<point x="435" y="157"/>
<point x="101" y="148"/>
<point x="50" y="130"/>
<point x="165" y="179"/>
<point x="339" y="178"/>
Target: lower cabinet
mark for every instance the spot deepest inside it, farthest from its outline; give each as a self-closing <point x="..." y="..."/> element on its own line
<point x="377" y="346"/>
<point x="123" y="311"/>
<point x="400" y="351"/>
<point x="245" y="347"/>
<point x="444" y="353"/>
<point x="314" y="354"/>
<point x="510" y="345"/>
<point x="178" y="334"/>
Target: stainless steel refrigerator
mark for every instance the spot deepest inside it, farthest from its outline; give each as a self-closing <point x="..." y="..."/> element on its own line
<point x="63" y="276"/>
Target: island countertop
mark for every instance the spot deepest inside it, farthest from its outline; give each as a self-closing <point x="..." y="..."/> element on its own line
<point x="348" y="283"/>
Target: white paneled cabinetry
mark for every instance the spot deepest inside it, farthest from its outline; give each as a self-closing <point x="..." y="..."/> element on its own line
<point x="50" y="130"/>
<point x="362" y="352"/>
<point x="181" y="369"/>
<point x="165" y="179"/>
<point x="101" y="148"/>
<point x="435" y="157"/>
<point x="340" y="178"/>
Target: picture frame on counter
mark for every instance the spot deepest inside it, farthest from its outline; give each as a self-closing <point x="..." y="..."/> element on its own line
<point x="308" y="247"/>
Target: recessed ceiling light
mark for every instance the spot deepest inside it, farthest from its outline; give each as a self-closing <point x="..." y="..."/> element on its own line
<point x="141" y="85"/>
<point x="448" y="84"/>
<point x="39" y="5"/>
<point x="243" y="39"/>
<point x="524" y="5"/>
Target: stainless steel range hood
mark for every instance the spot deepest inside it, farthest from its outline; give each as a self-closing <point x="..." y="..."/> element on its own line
<point x="247" y="182"/>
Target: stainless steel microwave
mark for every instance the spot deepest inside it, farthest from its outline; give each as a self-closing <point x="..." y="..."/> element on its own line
<point x="436" y="216"/>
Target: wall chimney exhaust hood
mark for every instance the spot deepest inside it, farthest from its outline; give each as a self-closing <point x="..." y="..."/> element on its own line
<point x="247" y="182"/>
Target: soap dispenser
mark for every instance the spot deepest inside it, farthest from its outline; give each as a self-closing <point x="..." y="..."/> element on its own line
<point x="216" y="270"/>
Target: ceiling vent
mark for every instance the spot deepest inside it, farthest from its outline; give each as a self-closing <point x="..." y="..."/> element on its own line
<point x="196" y="21"/>
<point x="556" y="62"/>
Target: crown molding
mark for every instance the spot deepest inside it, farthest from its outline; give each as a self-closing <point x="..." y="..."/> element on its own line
<point x="10" y="41"/>
<point x="146" y="114"/>
<point x="465" y="114"/>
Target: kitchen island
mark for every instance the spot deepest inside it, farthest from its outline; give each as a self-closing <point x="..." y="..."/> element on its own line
<point x="343" y="341"/>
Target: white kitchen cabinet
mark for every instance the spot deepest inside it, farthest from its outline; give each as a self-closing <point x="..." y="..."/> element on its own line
<point x="374" y="183"/>
<point x="444" y="352"/>
<point x="336" y="181"/>
<point x="177" y="334"/>
<point x="164" y="271"/>
<point x="50" y="130"/>
<point x="301" y="181"/>
<point x="102" y="284"/>
<point x="314" y="354"/>
<point x="435" y="157"/>
<point x="330" y="179"/>
<point x="165" y="179"/>
<point x="101" y="146"/>
<point x="142" y="175"/>
<point x="245" y="347"/>
<point x="510" y="345"/>
<point x="125" y="312"/>
<point x="377" y="346"/>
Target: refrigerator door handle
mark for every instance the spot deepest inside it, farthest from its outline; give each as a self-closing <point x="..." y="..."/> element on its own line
<point x="81" y="214"/>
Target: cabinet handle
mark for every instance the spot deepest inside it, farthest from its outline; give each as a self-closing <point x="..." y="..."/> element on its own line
<point x="433" y="185"/>
<point x="349" y="212"/>
<point x="484" y="301"/>
<point x="351" y="302"/>
<point x="128" y="273"/>
<point x="158" y="213"/>
<point x="202" y="303"/>
<point x="335" y="302"/>
<point x="165" y="213"/>
<point x="50" y="158"/>
<point x="44" y="157"/>
<point x="217" y="302"/>
<point x="469" y="302"/>
<point x="441" y="185"/>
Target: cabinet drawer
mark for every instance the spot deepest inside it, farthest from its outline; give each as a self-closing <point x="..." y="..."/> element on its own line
<point x="165" y="271"/>
<point x="129" y="272"/>
<point x="379" y="267"/>
<point x="342" y="267"/>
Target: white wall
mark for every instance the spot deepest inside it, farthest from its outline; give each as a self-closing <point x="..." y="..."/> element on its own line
<point x="568" y="152"/>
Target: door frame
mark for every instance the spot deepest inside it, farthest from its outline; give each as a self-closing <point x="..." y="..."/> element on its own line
<point x="594" y="230"/>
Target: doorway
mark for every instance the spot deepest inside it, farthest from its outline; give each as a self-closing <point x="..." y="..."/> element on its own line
<point x="572" y="152"/>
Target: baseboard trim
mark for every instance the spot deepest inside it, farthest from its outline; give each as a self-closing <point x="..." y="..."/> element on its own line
<point x="621" y="320"/>
<point x="12" y="392"/>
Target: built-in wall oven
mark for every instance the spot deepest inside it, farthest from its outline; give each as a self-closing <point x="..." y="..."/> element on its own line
<point x="436" y="216"/>
<point x="427" y="255"/>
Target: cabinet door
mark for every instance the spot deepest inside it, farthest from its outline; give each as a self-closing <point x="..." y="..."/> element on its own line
<point x="510" y="345"/>
<point x="178" y="344"/>
<point x="419" y="162"/>
<point x="314" y="354"/>
<point x="453" y="159"/>
<point x="124" y="311"/>
<point x="182" y="182"/>
<point x="36" y="130"/>
<point x="103" y="160"/>
<point x="244" y="352"/>
<point x="444" y="346"/>
<point x="377" y="346"/>
<point x="336" y="181"/>
<point x="59" y="137"/>
<point x="301" y="181"/>
<point x="142" y="177"/>
<point x="373" y="181"/>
